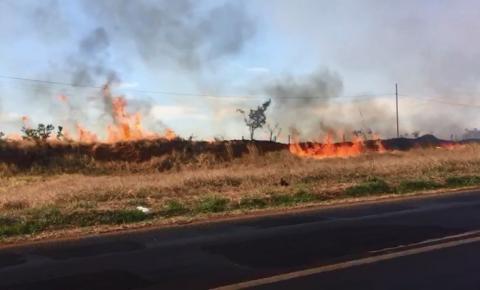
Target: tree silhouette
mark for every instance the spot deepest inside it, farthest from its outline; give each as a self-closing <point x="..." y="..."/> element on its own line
<point x="41" y="133"/>
<point x="256" y="117"/>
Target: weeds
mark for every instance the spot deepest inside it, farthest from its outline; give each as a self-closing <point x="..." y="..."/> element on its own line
<point x="52" y="218"/>
<point x="460" y="181"/>
<point x="174" y="208"/>
<point x="370" y="187"/>
<point x="416" y="185"/>
<point x="291" y="199"/>
<point x="212" y="204"/>
<point x="252" y="203"/>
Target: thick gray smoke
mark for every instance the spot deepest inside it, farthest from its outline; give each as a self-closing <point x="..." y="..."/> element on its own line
<point x="174" y="32"/>
<point x="164" y="34"/>
<point x="313" y="105"/>
<point x="429" y="47"/>
<point x="120" y="35"/>
<point x="88" y="63"/>
<point x="298" y="99"/>
<point x="303" y="92"/>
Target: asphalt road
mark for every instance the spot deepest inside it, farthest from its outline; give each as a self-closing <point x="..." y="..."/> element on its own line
<point x="399" y="234"/>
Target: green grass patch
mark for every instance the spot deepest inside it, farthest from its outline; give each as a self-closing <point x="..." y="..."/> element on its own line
<point x="370" y="187"/>
<point x="111" y="217"/>
<point x="416" y="185"/>
<point x="212" y="204"/>
<point x="253" y="203"/>
<point x="52" y="218"/>
<point x="459" y="181"/>
<point x="290" y="199"/>
<point x="174" y="208"/>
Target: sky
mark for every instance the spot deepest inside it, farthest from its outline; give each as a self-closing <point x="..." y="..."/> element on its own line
<point x="328" y="66"/>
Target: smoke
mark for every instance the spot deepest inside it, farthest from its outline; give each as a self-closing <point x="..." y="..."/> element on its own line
<point x="298" y="99"/>
<point x="88" y="63"/>
<point x="175" y="33"/>
<point x="303" y="92"/>
<point x="428" y="47"/>
<point x="119" y="36"/>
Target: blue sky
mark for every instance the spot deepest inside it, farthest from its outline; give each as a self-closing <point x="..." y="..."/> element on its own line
<point x="241" y="50"/>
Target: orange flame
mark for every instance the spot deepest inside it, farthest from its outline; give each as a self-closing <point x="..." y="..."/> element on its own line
<point x="85" y="136"/>
<point x="331" y="149"/>
<point x="125" y="126"/>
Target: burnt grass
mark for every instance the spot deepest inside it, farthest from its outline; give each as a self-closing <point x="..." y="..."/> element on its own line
<point x="73" y="157"/>
<point x="97" y="158"/>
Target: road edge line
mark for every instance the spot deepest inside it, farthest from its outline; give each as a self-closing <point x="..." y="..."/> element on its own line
<point x="347" y="264"/>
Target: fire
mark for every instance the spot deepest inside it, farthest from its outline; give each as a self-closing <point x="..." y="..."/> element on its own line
<point x="328" y="148"/>
<point x="86" y="136"/>
<point x="125" y="126"/>
<point x="449" y="145"/>
<point x="170" y="134"/>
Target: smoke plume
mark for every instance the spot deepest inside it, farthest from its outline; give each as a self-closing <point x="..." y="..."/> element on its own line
<point x="117" y="36"/>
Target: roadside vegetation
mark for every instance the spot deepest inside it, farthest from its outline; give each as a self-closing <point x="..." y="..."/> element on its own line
<point x="206" y="185"/>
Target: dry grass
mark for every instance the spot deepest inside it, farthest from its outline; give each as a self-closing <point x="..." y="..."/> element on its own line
<point x="252" y="181"/>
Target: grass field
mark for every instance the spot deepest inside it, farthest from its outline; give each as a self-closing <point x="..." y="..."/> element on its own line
<point x="36" y="200"/>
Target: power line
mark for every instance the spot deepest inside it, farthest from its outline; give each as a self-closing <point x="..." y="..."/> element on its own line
<point x="56" y="83"/>
<point x="356" y="98"/>
<point x="442" y="101"/>
<point x="360" y="97"/>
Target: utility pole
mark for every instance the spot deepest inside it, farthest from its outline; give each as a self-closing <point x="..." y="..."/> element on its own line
<point x="396" y="107"/>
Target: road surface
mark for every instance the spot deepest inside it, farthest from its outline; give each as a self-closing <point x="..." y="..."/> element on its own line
<point x="420" y="243"/>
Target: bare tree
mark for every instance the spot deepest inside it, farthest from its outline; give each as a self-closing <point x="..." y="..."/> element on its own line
<point x="256" y="117"/>
<point x="274" y="131"/>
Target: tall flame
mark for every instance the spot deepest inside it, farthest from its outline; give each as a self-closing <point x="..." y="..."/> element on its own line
<point x="125" y="126"/>
<point x="85" y="136"/>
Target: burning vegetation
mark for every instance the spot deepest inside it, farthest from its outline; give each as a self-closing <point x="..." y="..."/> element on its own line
<point x="126" y="140"/>
<point x="55" y="180"/>
<point x="329" y="148"/>
<point x="124" y="127"/>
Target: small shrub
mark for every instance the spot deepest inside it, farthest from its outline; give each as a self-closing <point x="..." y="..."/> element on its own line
<point x="459" y="181"/>
<point x="252" y="202"/>
<point x="416" y="185"/>
<point x="212" y="204"/>
<point x="173" y="208"/>
<point x="373" y="186"/>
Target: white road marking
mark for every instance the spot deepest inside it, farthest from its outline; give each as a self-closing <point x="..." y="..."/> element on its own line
<point x="359" y="262"/>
